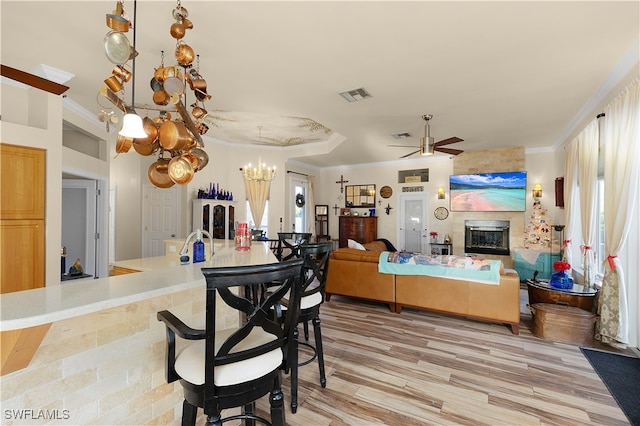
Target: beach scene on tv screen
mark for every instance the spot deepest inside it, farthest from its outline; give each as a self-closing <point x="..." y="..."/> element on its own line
<point x="488" y="192"/>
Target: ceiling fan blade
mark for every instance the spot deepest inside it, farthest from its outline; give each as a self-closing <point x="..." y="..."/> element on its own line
<point x="448" y="150"/>
<point x="403" y="146"/>
<point x="448" y="141"/>
<point x="410" y="154"/>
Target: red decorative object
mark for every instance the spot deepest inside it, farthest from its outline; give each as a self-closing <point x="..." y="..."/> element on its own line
<point x="433" y="233"/>
<point x="561" y="265"/>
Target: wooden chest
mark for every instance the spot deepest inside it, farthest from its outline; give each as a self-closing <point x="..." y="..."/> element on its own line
<point x="562" y="323"/>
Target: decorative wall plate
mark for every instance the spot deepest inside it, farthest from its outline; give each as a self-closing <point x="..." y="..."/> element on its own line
<point x="386" y="191"/>
<point x="441" y="213"/>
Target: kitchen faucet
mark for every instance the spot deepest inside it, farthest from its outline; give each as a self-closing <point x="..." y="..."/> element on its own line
<point x="184" y="259"/>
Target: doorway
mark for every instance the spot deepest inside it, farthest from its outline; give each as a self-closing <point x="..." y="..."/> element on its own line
<point x="412" y="223"/>
<point x="79" y="224"/>
<point x="159" y="218"/>
<point x="299" y="205"/>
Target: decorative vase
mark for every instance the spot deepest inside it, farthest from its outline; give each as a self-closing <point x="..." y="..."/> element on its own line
<point x="561" y="280"/>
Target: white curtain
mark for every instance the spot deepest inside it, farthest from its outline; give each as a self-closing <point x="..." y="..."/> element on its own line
<point x="588" y="141"/>
<point x="621" y="130"/>
<point x="572" y="224"/>
<point x="257" y="195"/>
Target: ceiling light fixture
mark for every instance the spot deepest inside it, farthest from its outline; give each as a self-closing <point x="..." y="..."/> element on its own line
<point x="427" y="142"/>
<point x="261" y="172"/>
<point x="132" y="123"/>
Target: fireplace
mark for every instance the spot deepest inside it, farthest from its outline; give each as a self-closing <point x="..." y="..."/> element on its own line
<point x="486" y="237"/>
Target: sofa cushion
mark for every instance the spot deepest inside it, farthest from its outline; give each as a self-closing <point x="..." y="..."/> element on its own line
<point x="355" y="255"/>
<point x="355" y="245"/>
<point x="377" y="246"/>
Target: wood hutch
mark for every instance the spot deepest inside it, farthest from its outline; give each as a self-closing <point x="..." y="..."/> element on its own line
<point x="362" y="229"/>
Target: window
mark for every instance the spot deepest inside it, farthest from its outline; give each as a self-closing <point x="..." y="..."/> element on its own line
<point x="265" y="219"/>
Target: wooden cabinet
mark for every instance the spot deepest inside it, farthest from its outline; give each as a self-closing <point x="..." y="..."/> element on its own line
<point x="217" y="217"/>
<point x="362" y="229"/>
<point x="22" y="218"/>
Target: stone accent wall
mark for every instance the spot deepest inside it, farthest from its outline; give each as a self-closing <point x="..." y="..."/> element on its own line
<point x="497" y="160"/>
<point x="107" y="367"/>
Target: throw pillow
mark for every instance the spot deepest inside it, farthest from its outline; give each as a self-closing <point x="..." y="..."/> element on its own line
<point x="355" y="245"/>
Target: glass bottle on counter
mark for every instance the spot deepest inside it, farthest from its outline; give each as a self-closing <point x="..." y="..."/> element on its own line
<point x="198" y="248"/>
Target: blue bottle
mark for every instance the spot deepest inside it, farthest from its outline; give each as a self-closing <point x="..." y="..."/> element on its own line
<point x="198" y="248"/>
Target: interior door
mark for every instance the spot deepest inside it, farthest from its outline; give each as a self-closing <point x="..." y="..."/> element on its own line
<point x="79" y="229"/>
<point x="412" y="223"/>
<point x="159" y="218"/>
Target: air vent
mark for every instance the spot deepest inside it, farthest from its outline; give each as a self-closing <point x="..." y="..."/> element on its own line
<point x="356" y="95"/>
<point x="404" y="135"/>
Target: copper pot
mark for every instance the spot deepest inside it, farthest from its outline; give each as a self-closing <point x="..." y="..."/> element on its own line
<point x="180" y="170"/>
<point x="123" y="144"/>
<point x="150" y="129"/>
<point x="193" y="159"/>
<point x="160" y="97"/>
<point x="117" y="23"/>
<point x="198" y="112"/>
<point x="184" y="54"/>
<point x="146" y="150"/>
<point x="177" y="30"/>
<point x="158" y="174"/>
<point x="122" y="73"/>
<point x="174" y="135"/>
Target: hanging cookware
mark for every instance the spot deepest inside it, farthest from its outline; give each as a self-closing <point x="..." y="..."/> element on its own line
<point x="174" y="135"/>
<point x="150" y="129"/>
<point x="184" y="54"/>
<point x="113" y="83"/>
<point x="180" y="170"/>
<point x="203" y="157"/>
<point x="158" y="174"/>
<point x="122" y="73"/>
<point x="193" y="159"/>
<point x="146" y="150"/>
<point x="155" y="85"/>
<point x="174" y="86"/>
<point x="117" y="47"/>
<point x="198" y="112"/>
<point x="177" y="30"/>
<point x="179" y="13"/>
<point x="117" y="23"/>
<point x="202" y="128"/>
<point x="123" y="144"/>
<point x="160" y="97"/>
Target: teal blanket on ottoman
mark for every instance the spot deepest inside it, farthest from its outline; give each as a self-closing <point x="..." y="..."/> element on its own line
<point x="486" y="271"/>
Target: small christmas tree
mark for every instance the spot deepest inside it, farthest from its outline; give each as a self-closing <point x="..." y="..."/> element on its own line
<point x="538" y="232"/>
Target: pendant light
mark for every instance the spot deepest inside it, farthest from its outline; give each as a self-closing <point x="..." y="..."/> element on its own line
<point x="132" y="126"/>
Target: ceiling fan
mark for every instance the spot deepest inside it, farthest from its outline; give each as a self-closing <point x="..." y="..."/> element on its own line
<point x="427" y="144"/>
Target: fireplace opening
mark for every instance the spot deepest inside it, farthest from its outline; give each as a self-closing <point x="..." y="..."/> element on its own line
<point x="486" y="237"/>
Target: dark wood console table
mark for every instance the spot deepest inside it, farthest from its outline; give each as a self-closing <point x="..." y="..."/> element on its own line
<point x="579" y="296"/>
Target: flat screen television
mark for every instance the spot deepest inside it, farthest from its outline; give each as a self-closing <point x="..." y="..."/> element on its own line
<point x="488" y="192"/>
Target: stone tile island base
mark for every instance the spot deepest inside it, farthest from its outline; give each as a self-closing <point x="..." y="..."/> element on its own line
<point x="104" y="368"/>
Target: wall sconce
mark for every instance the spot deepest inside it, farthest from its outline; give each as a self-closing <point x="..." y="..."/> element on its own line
<point x="440" y="193"/>
<point x="537" y="192"/>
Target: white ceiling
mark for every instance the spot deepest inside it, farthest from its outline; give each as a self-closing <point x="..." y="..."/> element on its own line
<point x="496" y="74"/>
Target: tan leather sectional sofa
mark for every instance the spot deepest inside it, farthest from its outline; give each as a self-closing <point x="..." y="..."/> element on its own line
<point x="355" y="273"/>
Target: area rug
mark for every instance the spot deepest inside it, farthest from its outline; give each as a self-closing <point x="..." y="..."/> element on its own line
<point x="621" y="375"/>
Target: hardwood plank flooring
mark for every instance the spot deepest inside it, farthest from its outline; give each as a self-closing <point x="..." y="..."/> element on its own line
<point x="420" y="368"/>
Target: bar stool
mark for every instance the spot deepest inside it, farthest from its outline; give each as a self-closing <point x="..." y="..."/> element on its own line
<point x="234" y="367"/>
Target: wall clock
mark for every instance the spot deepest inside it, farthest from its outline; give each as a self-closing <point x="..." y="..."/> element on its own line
<point x="441" y="213"/>
<point x="386" y="191"/>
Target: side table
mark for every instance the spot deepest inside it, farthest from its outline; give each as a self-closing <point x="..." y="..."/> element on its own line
<point x="579" y="296"/>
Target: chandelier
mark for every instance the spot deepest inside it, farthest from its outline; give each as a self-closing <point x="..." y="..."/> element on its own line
<point x="259" y="173"/>
<point x="177" y="142"/>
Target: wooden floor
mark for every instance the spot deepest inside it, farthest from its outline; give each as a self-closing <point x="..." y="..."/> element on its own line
<point x="420" y="368"/>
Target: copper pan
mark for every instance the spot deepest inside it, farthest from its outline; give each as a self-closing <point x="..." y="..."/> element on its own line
<point x="180" y="170"/>
<point x="174" y="135"/>
<point x="184" y="54"/>
<point x="160" y="97"/>
<point x="203" y="157"/>
<point x="123" y="144"/>
<point x="117" y="23"/>
<point x="150" y="129"/>
<point x="146" y="150"/>
<point x="158" y="174"/>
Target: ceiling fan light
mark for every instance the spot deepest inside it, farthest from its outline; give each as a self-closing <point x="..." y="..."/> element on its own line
<point x="426" y="146"/>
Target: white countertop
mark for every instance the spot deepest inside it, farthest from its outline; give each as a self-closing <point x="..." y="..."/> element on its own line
<point x="160" y="276"/>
